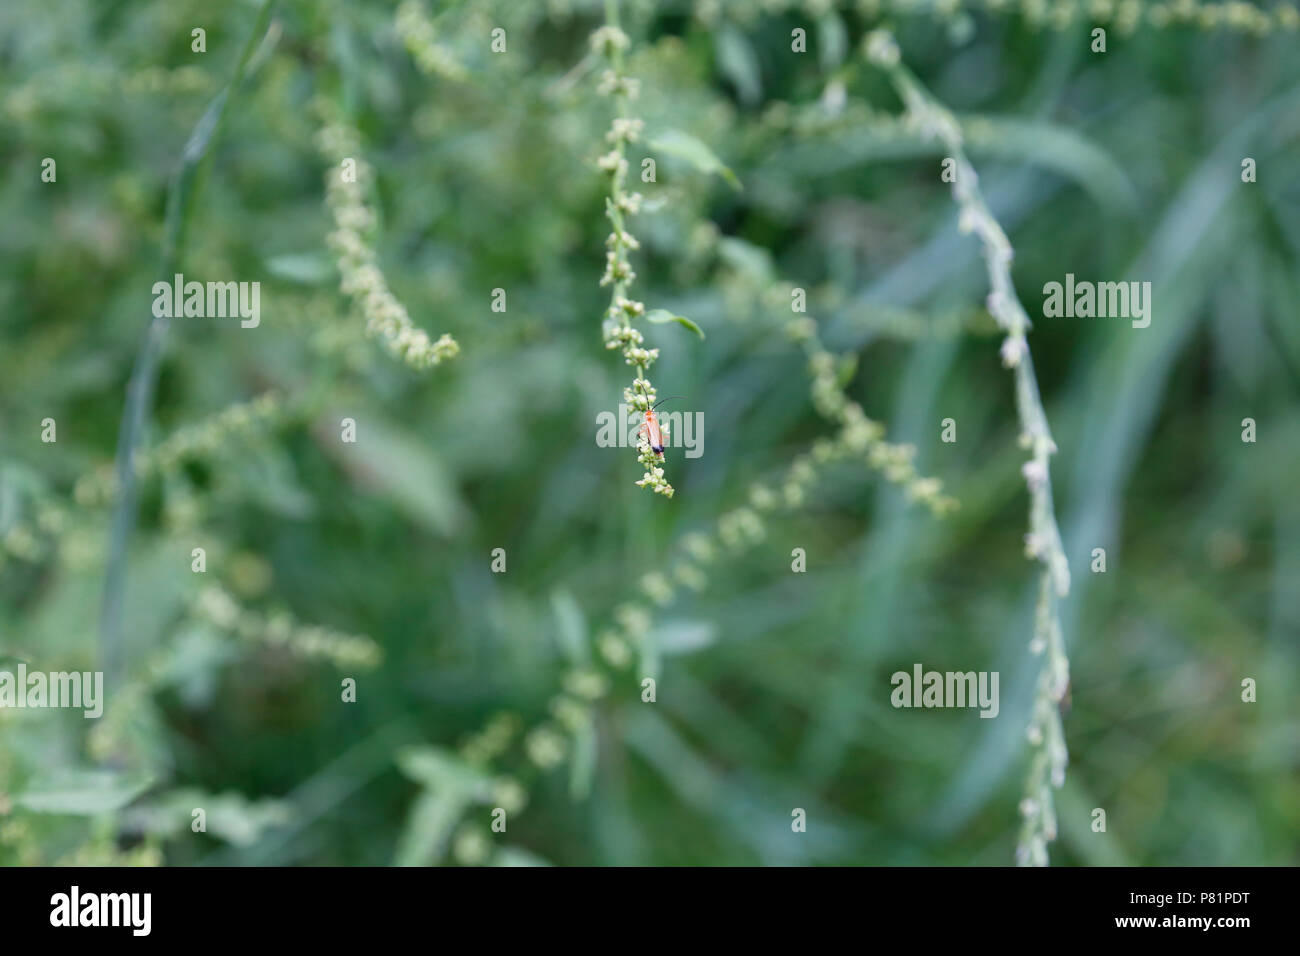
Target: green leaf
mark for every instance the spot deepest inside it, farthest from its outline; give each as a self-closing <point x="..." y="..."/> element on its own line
<point x="571" y="627"/>
<point x="1058" y="148"/>
<point x="15" y="476"/>
<point x="231" y="816"/>
<point x="650" y="656"/>
<point x="442" y="770"/>
<point x="268" y="477"/>
<point x="582" y="769"/>
<point x="832" y="41"/>
<point x="682" y="145"/>
<point x="194" y="661"/>
<point x="196" y="158"/>
<point x="513" y="856"/>
<point x="408" y="471"/>
<point x="684" y="637"/>
<point x="660" y="316"/>
<point x="429" y="827"/>
<point x="305" y="268"/>
<point x="754" y="261"/>
<point x="82" y="792"/>
<point x="739" y="64"/>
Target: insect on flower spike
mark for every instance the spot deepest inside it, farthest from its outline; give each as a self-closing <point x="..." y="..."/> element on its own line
<point x="650" y="429"/>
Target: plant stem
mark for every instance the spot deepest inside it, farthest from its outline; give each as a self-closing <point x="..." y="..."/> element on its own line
<point x="187" y="182"/>
<point x="1043" y="542"/>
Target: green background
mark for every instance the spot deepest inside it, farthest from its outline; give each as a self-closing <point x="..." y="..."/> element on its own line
<point x="774" y="687"/>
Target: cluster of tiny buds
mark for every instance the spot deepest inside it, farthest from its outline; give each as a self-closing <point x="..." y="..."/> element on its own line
<point x="587" y="684"/>
<point x="492" y="740"/>
<point x="657" y="587"/>
<point x="654" y="475"/>
<point x="618" y="269"/>
<point x="615" y="84"/>
<point x="626" y="308"/>
<point x="740" y="527"/>
<point x="206" y="438"/>
<point x="613" y="162"/>
<point x="622" y="337"/>
<point x="881" y="48"/>
<point x="344" y="650"/>
<point x="620" y="237"/>
<point x="827" y="395"/>
<point x="640" y="396"/>
<point x="545" y="747"/>
<point x="801" y="328"/>
<point x="1035" y="546"/>
<point x="24" y="103"/>
<point x="625" y="130"/>
<point x="361" y="279"/>
<point x="1013" y="349"/>
<point x="629" y="204"/>
<point x="608" y="40"/>
<point x="614" y="649"/>
<point x="641" y="358"/>
<point x="858" y="434"/>
<point x="417" y="34"/>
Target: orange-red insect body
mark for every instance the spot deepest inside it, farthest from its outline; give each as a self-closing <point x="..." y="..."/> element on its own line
<point x="650" y="428"/>
<point x="650" y="432"/>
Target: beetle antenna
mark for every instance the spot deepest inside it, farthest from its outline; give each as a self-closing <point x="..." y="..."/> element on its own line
<point x="662" y="400"/>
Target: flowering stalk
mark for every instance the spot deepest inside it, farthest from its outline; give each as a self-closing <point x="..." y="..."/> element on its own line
<point x="569" y="731"/>
<point x="52" y="518"/>
<point x="116" y="736"/>
<point x="1124" y="16"/>
<point x="1043" y="542"/>
<point x="419" y="35"/>
<point x="216" y="606"/>
<point x="610" y="42"/>
<point x="861" y="435"/>
<point x="205" y="438"/>
<point x="28" y="102"/>
<point x="362" y="280"/>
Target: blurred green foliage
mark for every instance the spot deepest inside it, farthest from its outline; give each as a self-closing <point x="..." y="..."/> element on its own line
<point x="774" y="687"/>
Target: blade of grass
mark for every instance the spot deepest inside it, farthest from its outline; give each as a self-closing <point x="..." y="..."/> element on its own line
<point x="185" y="186"/>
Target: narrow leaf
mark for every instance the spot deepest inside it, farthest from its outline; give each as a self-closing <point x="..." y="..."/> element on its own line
<point x="583" y="766"/>
<point x="429" y="828"/>
<point x="682" y="145"/>
<point x="660" y="316"/>
<point x="738" y="63"/>
<point x="82" y="792"/>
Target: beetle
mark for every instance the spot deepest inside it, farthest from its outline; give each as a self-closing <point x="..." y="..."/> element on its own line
<point x="650" y="427"/>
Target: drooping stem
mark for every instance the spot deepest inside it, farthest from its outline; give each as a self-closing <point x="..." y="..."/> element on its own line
<point x="610" y="42"/>
<point x="185" y="186"/>
<point x="1043" y="541"/>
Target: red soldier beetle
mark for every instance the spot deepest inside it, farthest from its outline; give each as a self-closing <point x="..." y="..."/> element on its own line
<point x="650" y="428"/>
